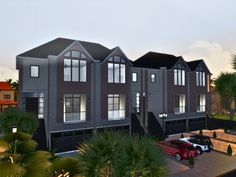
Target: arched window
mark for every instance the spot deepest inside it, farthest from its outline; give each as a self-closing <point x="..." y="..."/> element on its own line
<point x="179" y="75"/>
<point x="116" y="70"/>
<point x="75" y="66"/>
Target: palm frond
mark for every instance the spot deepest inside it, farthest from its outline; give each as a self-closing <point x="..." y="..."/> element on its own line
<point x="8" y="169"/>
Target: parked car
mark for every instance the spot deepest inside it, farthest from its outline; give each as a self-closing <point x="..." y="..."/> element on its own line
<point x="179" y="149"/>
<point x="200" y="142"/>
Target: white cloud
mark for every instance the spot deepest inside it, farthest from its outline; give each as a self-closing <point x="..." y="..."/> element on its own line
<point x="8" y="73"/>
<point x="215" y="56"/>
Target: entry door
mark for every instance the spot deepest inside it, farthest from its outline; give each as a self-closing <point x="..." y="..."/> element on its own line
<point x="32" y="105"/>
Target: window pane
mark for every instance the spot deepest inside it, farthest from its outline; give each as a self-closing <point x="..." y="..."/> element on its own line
<point x="110" y="59"/>
<point x="197" y="78"/>
<point x="183" y="77"/>
<point x="110" y="72"/>
<point x="117" y="73"/>
<point x="122" y="73"/>
<point x="83" y="56"/>
<point x="67" y="70"/>
<point x="153" y="77"/>
<point x="75" y="54"/>
<point x="134" y="77"/>
<point x="83" y="71"/>
<point x="175" y="77"/>
<point x="179" y="77"/>
<point x="200" y="79"/>
<point x="203" y="79"/>
<point x="67" y="54"/>
<point x="75" y="70"/>
<point x="34" y="71"/>
<point x="116" y="59"/>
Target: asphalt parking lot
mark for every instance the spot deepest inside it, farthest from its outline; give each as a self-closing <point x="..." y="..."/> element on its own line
<point x="211" y="164"/>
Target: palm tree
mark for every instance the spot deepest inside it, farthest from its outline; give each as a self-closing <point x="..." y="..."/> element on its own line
<point x="225" y="84"/>
<point x="142" y="158"/>
<point x="14" y="85"/>
<point x="115" y="154"/>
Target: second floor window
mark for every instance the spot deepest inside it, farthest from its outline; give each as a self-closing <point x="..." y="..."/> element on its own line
<point x="6" y="97"/>
<point x="179" y="75"/>
<point x="134" y="77"/>
<point x="153" y="77"/>
<point x="180" y="104"/>
<point x="75" y="67"/>
<point x="200" y="78"/>
<point x="116" y="70"/>
<point x="34" y="71"/>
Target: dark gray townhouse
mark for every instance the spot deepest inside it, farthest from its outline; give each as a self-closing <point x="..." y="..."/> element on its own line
<point x="167" y="85"/>
<point x="76" y="87"/>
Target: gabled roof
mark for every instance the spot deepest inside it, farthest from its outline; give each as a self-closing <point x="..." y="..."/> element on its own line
<point x="4" y="86"/>
<point x="156" y="60"/>
<point x="56" y="46"/>
<point x="194" y="64"/>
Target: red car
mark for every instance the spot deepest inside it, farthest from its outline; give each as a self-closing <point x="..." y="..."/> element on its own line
<point x="179" y="149"/>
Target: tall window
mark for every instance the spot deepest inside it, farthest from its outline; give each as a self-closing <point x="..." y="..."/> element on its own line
<point x="201" y="103"/>
<point x="179" y="75"/>
<point x="153" y="77"/>
<point x="34" y="71"/>
<point x="180" y="104"/>
<point x="75" y="66"/>
<point x="137" y="102"/>
<point x="116" y="70"/>
<point x="116" y="107"/>
<point x="74" y="108"/>
<point x="200" y="78"/>
<point x="134" y="77"/>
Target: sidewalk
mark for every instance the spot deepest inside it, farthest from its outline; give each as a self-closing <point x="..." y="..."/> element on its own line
<point x="206" y="165"/>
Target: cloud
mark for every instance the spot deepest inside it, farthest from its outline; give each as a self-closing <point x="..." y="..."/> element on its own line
<point x="217" y="59"/>
<point x="8" y="73"/>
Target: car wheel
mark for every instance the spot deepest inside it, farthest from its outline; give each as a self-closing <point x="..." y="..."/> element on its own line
<point x="178" y="157"/>
<point x="199" y="150"/>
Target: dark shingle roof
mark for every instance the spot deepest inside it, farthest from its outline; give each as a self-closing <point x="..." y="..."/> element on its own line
<point x="56" y="46"/>
<point x="156" y="60"/>
<point x="97" y="51"/>
<point x="193" y="64"/>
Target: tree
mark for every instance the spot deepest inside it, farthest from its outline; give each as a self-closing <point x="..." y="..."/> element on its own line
<point x="25" y="122"/>
<point x="110" y="154"/>
<point x="15" y="86"/>
<point x="225" y="84"/>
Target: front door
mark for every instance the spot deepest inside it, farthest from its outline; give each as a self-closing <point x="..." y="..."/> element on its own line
<point x="32" y="105"/>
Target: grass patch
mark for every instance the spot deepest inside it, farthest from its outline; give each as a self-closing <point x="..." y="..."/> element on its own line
<point x="223" y="116"/>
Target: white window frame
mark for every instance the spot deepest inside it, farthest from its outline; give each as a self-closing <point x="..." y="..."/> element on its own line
<point x="134" y="77"/>
<point x="116" y="107"/>
<point x="181" y="107"/>
<point x="34" y="71"/>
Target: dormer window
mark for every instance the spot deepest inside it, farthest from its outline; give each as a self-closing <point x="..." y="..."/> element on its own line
<point x="116" y="70"/>
<point x="179" y="75"/>
<point x="75" y="66"/>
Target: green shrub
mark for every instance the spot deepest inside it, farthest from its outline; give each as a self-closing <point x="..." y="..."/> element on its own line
<point x="229" y="150"/>
<point x="191" y="161"/>
<point x="200" y="132"/>
<point x="214" y="135"/>
<point x="225" y="130"/>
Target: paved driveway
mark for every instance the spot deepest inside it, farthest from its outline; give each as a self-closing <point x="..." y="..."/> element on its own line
<point x="206" y="165"/>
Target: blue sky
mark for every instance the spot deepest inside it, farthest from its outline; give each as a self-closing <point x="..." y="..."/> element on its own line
<point x="193" y="29"/>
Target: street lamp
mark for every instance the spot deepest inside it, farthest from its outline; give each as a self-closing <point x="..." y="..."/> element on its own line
<point x="163" y="116"/>
<point x="14" y="130"/>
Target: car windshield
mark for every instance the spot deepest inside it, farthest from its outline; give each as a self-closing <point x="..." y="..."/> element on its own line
<point x="206" y="140"/>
